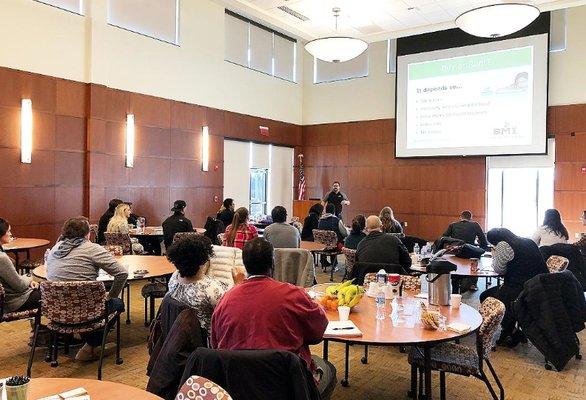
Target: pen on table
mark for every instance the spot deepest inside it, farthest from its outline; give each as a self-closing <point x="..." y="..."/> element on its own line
<point x="342" y="329"/>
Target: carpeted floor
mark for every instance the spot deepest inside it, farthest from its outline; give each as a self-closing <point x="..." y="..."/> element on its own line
<point x="386" y="376"/>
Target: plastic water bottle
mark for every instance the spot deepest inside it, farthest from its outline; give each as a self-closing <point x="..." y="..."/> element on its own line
<point x="381" y="279"/>
<point x="46" y="256"/>
<point x="416" y="250"/>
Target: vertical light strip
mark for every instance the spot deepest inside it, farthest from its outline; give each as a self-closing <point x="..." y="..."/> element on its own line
<point x="130" y="140"/>
<point x="26" y="131"/>
<point x="205" y="148"/>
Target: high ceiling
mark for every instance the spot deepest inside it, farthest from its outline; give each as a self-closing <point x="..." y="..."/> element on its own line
<point x="371" y="20"/>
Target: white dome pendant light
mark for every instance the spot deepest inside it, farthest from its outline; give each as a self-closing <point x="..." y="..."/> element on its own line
<point x="497" y="20"/>
<point x="336" y="49"/>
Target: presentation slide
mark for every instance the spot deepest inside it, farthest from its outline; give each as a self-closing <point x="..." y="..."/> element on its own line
<point x="484" y="99"/>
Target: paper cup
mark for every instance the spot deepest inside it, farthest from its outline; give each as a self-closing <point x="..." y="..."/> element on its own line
<point x="456" y="300"/>
<point x="344" y="313"/>
<point x="16" y="392"/>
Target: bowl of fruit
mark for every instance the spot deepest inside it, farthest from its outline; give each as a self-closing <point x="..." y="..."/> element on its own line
<point x="331" y="296"/>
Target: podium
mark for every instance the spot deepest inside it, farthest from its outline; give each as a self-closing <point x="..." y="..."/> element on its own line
<point x="301" y="208"/>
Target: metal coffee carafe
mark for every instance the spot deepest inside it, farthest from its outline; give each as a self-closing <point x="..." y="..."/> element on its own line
<point x="439" y="283"/>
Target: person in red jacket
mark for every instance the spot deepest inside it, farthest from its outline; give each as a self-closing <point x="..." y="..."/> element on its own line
<point x="262" y="313"/>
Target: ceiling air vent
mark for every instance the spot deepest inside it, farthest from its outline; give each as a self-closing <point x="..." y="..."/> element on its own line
<point x="294" y="13"/>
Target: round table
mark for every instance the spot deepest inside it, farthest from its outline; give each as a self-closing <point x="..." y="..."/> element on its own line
<point x="24" y="245"/>
<point x="406" y="332"/>
<point x="311" y="246"/>
<point x="97" y="390"/>
<point x="156" y="266"/>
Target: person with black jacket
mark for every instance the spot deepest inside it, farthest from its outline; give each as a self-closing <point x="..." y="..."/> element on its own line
<point x="311" y="221"/>
<point x="381" y="248"/>
<point x="177" y="222"/>
<point x="105" y="219"/>
<point x="226" y="212"/>
<point x="518" y="260"/>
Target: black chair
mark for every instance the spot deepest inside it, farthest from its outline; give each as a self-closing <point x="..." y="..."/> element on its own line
<point x="362" y="268"/>
<point x="213" y="228"/>
<point x="254" y="374"/>
<point x="410" y="241"/>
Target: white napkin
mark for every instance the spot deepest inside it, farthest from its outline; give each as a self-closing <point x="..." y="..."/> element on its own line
<point x="342" y="328"/>
<point x="458" y="327"/>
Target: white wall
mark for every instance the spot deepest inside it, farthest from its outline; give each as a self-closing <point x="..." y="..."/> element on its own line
<point x="373" y="97"/>
<point x="50" y="41"/>
<point x="277" y="159"/>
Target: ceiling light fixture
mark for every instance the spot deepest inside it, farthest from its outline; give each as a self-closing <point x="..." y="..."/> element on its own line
<point x="497" y="20"/>
<point x="336" y="49"/>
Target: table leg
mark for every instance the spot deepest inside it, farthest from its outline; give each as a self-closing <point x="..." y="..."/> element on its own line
<point x="427" y="372"/>
<point x="128" y="305"/>
<point x="344" y="381"/>
<point x="365" y="358"/>
<point x="325" y="354"/>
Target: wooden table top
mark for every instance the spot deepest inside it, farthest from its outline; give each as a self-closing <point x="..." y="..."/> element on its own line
<point x="463" y="264"/>
<point x="158" y="231"/>
<point x="156" y="265"/>
<point x="403" y="329"/>
<point x="98" y="390"/>
<point x="311" y="246"/>
<point x="22" y="244"/>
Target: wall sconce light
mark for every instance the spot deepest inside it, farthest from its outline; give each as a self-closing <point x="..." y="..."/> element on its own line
<point x="205" y="148"/>
<point x="26" y="131"/>
<point x="130" y="140"/>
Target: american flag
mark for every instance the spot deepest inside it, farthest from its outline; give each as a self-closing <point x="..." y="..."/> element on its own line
<point x="301" y="187"/>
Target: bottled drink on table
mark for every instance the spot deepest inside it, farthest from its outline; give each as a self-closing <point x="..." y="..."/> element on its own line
<point x="416" y="249"/>
<point x="380" y="303"/>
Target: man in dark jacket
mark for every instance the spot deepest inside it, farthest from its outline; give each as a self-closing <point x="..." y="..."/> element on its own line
<point x="550" y="310"/>
<point x="469" y="231"/>
<point x="177" y="222"/>
<point x="379" y="247"/>
<point x="226" y="213"/>
<point x="105" y="218"/>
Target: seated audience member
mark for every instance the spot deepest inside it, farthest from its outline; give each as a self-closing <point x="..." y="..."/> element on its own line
<point x="75" y="258"/>
<point x="189" y="284"/>
<point x="176" y="223"/>
<point x="518" y="260"/>
<point x="389" y="223"/>
<point x="467" y="230"/>
<point x="357" y="233"/>
<point x="379" y="247"/>
<point x="239" y="232"/>
<point x="21" y="292"/>
<point x="262" y="313"/>
<point x="132" y="218"/>
<point x="119" y="224"/>
<point x="552" y="231"/>
<point x="329" y="222"/>
<point x="470" y="232"/>
<point x="311" y="221"/>
<point x="226" y="212"/>
<point x="105" y="219"/>
<point x="281" y="234"/>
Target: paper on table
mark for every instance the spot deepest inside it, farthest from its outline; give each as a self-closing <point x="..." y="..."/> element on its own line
<point x="458" y="327"/>
<point x="73" y="393"/>
<point x="342" y="328"/>
<point x="421" y="296"/>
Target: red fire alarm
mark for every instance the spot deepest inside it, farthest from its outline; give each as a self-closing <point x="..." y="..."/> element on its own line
<point x="216" y="167"/>
<point x="583" y="169"/>
<point x="264" y="130"/>
<point x="216" y="199"/>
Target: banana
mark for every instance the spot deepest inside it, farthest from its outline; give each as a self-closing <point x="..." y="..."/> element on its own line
<point x="350" y="293"/>
<point x="346" y="283"/>
<point x="355" y="300"/>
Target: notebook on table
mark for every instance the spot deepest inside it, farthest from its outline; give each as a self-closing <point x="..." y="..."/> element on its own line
<point x="342" y="328"/>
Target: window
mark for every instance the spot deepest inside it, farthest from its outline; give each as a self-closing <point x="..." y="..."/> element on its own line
<point x="75" y="6"/>
<point x="520" y="189"/>
<point x="557" y="30"/>
<point x="392" y="56"/>
<point x="158" y="19"/>
<point x="258" y="192"/>
<point x="331" y="72"/>
<point x="258" y="47"/>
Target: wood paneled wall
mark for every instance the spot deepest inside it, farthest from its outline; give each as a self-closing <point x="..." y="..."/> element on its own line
<point x="425" y="193"/>
<point x="36" y="198"/>
<point x="569" y="125"/>
<point x="79" y="146"/>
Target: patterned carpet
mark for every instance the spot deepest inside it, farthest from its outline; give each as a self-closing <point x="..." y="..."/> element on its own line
<point x="386" y="376"/>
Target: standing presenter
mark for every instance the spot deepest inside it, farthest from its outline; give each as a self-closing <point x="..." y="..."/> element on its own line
<point x="337" y="198"/>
